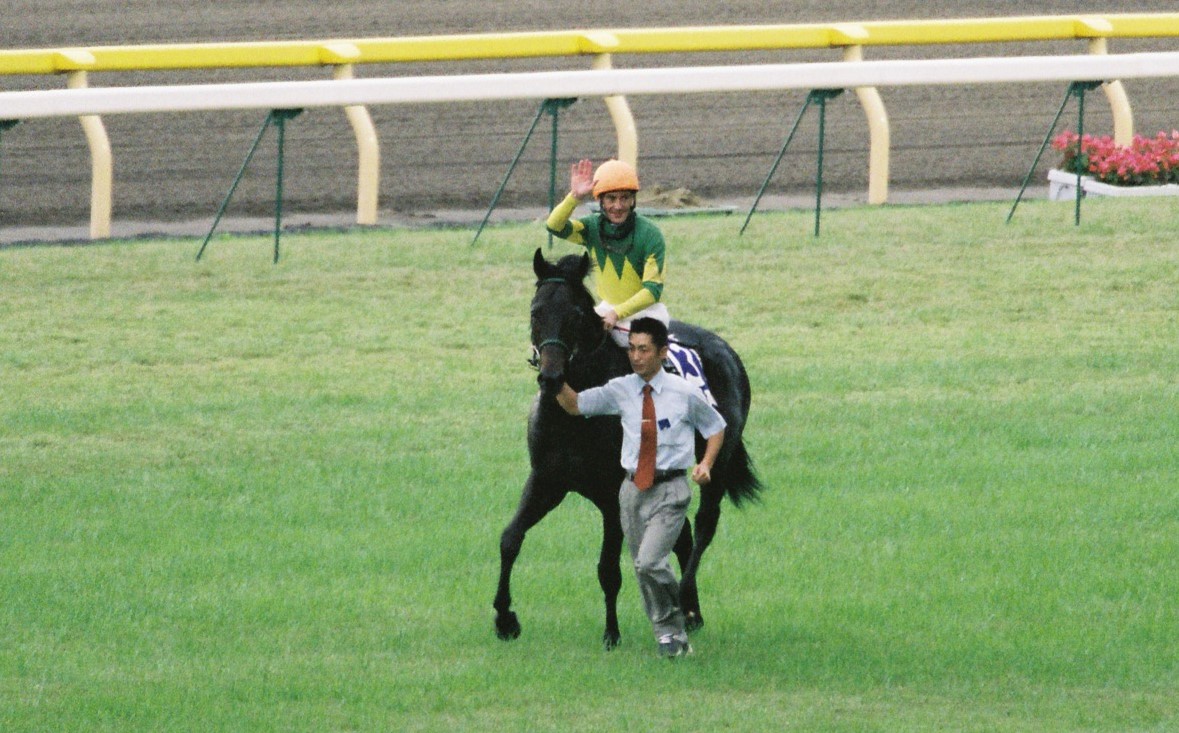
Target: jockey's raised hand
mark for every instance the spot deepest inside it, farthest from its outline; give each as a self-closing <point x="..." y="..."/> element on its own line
<point x="581" y="179"/>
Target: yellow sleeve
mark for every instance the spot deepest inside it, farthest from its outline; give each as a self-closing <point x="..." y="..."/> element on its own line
<point x="559" y="224"/>
<point x="635" y="303"/>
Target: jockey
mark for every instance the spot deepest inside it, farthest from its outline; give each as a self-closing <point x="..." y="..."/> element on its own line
<point x="627" y="249"/>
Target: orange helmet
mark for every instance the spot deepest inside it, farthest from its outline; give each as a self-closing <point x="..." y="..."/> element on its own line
<point x="615" y="175"/>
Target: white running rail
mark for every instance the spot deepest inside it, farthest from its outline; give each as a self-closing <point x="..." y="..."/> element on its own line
<point x="596" y="83"/>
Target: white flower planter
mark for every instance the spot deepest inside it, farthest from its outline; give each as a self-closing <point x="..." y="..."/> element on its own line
<point x="1062" y="186"/>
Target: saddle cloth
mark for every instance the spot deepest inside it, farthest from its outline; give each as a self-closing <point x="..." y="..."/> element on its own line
<point x="685" y="362"/>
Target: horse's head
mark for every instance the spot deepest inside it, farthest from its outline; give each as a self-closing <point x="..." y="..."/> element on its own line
<point x="563" y="317"/>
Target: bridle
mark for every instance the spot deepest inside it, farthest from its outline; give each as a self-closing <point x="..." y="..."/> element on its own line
<point x="556" y="341"/>
<point x="570" y="351"/>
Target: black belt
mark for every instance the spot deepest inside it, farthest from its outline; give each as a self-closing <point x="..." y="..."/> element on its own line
<point x="661" y="476"/>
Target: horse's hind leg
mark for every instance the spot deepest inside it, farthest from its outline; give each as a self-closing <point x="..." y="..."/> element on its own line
<point x="535" y="503"/>
<point x="689" y="598"/>
<point x="707" y="519"/>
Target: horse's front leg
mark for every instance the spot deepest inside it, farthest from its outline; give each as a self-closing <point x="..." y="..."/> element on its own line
<point x="535" y="503"/>
<point x="609" y="573"/>
<point x="707" y="519"/>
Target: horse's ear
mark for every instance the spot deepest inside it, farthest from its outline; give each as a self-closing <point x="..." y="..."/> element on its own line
<point x="540" y="265"/>
<point x="583" y="268"/>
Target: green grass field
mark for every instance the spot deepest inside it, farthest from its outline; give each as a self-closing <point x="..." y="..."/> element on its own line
<point x="240" y="496"/>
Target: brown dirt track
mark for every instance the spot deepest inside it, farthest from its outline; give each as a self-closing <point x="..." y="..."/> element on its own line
<point x="178" y="167"/>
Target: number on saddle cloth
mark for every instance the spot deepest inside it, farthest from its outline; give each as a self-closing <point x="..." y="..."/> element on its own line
<point x="686" y="363"/>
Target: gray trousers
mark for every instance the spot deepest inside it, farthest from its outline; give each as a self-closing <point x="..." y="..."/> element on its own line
<point x="651" y="521"/>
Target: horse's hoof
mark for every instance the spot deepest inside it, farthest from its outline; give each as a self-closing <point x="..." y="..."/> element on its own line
<point x="507" y="626"/>
<point x="611" y="640"/>
<point x="693" y="621"/>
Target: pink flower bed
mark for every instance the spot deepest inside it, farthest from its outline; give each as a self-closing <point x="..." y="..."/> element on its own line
<point x="1147" y="161"/>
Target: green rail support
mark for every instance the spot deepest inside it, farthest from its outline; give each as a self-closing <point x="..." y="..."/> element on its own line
<point x="551" y="107"/>
<point x="1075" y="89"/>
<point x="820" y="98"/>
<point x="5" y="125"/>
<point x="278" y="118"/>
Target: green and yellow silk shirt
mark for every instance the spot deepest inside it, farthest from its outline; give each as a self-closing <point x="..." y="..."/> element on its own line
<point x="628" y="258"/>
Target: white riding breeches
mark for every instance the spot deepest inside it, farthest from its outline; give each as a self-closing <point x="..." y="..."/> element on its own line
<point x="621" y="330"/>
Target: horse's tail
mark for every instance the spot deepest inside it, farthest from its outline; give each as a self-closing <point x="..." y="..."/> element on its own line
<point x="737" y="476"/>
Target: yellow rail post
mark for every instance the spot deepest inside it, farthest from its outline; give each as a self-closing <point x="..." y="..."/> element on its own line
<point x="368" y="174"/>
<point x="625" y="130"/>
<point x="1098" y="30"/>
<point x="879" y="134"/>
<point x="101" y="164"/>
<point x="1119" y="101"/>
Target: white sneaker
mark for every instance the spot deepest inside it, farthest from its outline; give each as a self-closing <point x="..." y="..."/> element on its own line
<point x="671" y="647"/>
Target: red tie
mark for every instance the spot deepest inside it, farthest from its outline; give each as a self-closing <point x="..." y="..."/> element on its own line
<point x="645" y="473"/>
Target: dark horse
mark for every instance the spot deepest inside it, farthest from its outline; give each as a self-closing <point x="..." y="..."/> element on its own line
<point x="581" y="455"/>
